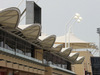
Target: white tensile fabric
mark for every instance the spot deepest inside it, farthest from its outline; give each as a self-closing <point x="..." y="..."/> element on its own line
<point x="9" y="18"/>
<point x="31" y="31"/>
<point x="57" y="47"/>
<point x="79" y="60"/>
<point x="48" y="41"/>
<point x="74" y="41"/>
<point x="73" y="56"/>
<point x="65" y="52"/>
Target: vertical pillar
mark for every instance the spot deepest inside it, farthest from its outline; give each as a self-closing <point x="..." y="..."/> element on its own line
<point x="39" y="54"/>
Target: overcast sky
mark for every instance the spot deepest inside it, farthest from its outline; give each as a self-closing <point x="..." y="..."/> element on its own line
<point x="56" y="13"/>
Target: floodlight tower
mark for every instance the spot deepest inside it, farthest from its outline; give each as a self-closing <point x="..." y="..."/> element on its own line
<point x="98" y="31"/>
<point x="74" y="19"/>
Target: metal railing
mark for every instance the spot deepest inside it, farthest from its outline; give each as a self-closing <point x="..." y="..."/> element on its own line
<point x="19" y="55"/>
<point x="62" y="69"/>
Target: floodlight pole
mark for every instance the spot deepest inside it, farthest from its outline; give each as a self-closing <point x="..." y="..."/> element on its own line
<point x="98" y="31"/>
<point x="66" y="31"/>
<point x="76" y="18"/>
<point x="69" y="31"/>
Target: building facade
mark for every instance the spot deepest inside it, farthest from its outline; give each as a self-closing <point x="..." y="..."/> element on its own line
<point x="85" y="68"/>
<point x="24" y="52"/>
<point x="19" y="57"/>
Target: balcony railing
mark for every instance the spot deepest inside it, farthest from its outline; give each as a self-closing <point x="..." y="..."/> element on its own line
<point x="33" y="59"/>
<point x="62" y="69"/>
<point x="20" y="55"/>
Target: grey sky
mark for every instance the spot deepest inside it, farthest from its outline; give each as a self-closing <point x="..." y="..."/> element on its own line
<point x="56" y="13"/>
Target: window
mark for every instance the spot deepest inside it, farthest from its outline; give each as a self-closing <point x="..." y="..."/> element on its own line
<point x="50" y="58"/>
<point x="13" y="43"/>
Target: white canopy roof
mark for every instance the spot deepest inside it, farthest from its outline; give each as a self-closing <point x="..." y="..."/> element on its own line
<point x="65" y="52"/>
<point x="73" y="39"/>
<point x="73" y="56"/>
<point x="79" y="60"/>
<point x="9" y="18"/>
<point x="31" y="32"/>
<point x="57" y="47"/>
<point x="47" y="41"/>
<point x="75" y="42"/>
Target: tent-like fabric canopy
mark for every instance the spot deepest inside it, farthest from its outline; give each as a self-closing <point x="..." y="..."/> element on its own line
<point x="65" y="52"/>
<point x="75" y="42"/>
<point x="73" y="56"/>
<point x="79" y="60"/>
<point x="9" y="18"/>
<point x="31" y="32"/>
<point x="57" y="47"/>
<point x="48" y="41"/>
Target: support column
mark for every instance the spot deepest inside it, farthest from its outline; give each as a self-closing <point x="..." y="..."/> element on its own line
<point x="39" y="54"/>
